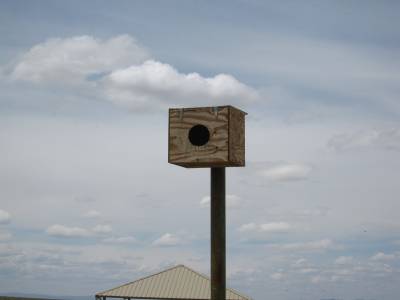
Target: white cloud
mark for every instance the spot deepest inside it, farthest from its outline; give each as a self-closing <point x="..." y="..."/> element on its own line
<point x="275" y="227"/>
<point x="120" y="71"/>
<point x="102" y="229"/>
<point x="343" y="260"/>
<point x="308" y="270"/>
<point x="205" y="202"/>
<point x="120" y="240"/>
<point x="232" y="201"/>
<point x="300" y="262"/>
<point x="64" y="231"/>
<point x="92" y="214"/>
<point x="53" y="261"/>
<point x="266" y="227"/>
<point x="69" y="60"/>
<point x="167" y="239"/>
<point x="5" y="217"/>
<point x="287" y="172"/>
<point x="156" y="85"/>
<point x="388" y="139"/>
<point x="319" y="245"/>
<point x="248" y="227"/>
<point x="380" y="256"/>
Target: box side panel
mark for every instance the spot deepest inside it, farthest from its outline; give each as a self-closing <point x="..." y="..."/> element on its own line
<point x="182" y="152"/>
<point x="169" y="134"/>
<point x="236" y="137"/>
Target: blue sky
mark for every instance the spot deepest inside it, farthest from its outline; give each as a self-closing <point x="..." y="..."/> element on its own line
<point x="88" y="200"/>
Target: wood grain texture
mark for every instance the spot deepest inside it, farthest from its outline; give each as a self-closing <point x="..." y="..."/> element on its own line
<point x="223" y="135"/>
<point x="236" y="137"/>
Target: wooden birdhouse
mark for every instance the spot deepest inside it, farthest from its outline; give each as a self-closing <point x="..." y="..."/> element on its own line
<point x="205" y="137"/>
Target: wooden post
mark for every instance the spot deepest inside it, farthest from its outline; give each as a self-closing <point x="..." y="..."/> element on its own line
<point x="218" y="236"/>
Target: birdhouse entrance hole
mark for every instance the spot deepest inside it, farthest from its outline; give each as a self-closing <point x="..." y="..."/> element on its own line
<point x="199" y="135"/>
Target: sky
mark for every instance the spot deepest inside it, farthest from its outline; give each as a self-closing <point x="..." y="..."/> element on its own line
<point x="88" y="200"/>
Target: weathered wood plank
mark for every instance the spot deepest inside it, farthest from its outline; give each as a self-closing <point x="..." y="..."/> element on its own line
<point x="236" y="136"/>
<point x="217" y="151"/>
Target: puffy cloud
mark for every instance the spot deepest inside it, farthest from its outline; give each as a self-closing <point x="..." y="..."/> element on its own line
<point x="120" y="71"/>
<point x="73" y="232"/>
<point x="167" y="239"/>
<point x="72" y="59"/>
<point x="380" y="256"/>
<point x="157" y="85"/>
<point x="64" y="231"/>
<point x="92" y="214"/>
<point x="275" y="227"/>
<point x="286" y="172"/>
<point x="388" y="139"/>
<point x="232" y="201"/>
<point x="5" y="217"/>
<point x="51" y="262"/>
<point x="266" y="227"/>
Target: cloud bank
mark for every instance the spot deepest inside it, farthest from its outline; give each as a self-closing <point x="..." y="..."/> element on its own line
<point x="157" y="84"/>
<point x="120" y="70"/>
<point x="65" y="231"/>
<point x="71" y="60"/>
<point x="318" y="245"/>
<point x="58" y="230"/>
<point x="387" y="139"/>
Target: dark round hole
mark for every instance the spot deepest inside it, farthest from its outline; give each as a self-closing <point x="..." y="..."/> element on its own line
<point x="199" y="135"/>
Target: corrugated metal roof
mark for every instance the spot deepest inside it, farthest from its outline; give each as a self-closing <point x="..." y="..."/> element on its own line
<point x="178" y="282"/>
